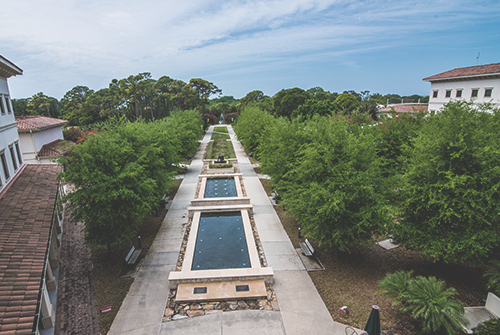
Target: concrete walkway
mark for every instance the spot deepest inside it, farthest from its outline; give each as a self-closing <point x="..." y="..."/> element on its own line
<point x="302" y="310"/>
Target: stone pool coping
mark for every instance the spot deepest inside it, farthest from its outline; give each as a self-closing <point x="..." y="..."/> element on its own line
<point x="255" y="271"/>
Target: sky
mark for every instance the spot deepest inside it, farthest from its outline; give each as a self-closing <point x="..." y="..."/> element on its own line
<point x="382" y="46"/>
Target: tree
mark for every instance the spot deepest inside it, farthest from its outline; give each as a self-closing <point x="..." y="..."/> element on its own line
<point x="346" y="103"/>
<point x="313" y="107"/>
<point x="138" y="93"/>
<point x="40" y="104"/>
<point x="111" y="194"/>
<point x="163" y="87"/>
<point x="395" y="285"/>
<point x="320" y="94"/>
<point x="427" y="300"/>
<point x="449" y="198"/>
<point x="121" y="173"/>
<point x="73" y="106"/>
<point x="328" y="177"/>
<point x="250" y="127"/>
<point x="204" y="90"/>
<point x="252" y="97"/>
<point x="394" y="146"/>
<point x="20" y="106"/>
<point x="287" y="100"/>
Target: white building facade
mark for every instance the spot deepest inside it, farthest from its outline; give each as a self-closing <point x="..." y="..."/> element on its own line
<point x="479" y="84"/>
<point x="11" y="160"/>
<point x="35" y="134"/>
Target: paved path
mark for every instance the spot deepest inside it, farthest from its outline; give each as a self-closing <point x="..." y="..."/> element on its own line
<point x="301" y="309"/>
<point x="142" y="310"/>
<point x="76" y="305"/>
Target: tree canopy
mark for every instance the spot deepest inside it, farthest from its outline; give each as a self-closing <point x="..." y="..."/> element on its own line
<point x="120" y="173"/>
<point x="450" y="187"/>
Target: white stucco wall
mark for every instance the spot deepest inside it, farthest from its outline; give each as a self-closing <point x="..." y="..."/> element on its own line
<point x="47" y="136"/>
<point x="31" y="143"/>
<point x="28" y="147"/>
<point x="8" y="134"/>
<point x="466" y="87"/>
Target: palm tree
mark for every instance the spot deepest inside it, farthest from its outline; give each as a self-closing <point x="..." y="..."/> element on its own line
<point x="426" y="299"/>
<point x="395" y="285"/>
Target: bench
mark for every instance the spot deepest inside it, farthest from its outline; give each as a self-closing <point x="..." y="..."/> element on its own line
<point x="132" y="256"/>
<point x="307" y="248"/>
<point x="477" y="315"/>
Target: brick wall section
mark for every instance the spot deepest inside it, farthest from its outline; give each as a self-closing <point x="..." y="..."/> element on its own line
<point x="26" y="211"/>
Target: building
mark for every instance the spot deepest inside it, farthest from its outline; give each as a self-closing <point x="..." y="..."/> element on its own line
<point x="41" y="138"/>
<point x="30" y="229"/>
<point x="11" y="160"/>
<point x="404" y="108"/>
<point x="478" y="84"/>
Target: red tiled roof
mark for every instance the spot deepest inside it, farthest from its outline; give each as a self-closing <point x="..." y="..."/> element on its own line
<point x="37" y="123"/>
<point x="55" y="148"/>
<point x="405" y="108"/>
<point x="26" y="211"/>
<point x="470" y="71"/>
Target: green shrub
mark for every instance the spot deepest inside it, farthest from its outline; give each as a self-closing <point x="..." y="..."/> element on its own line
<point x="395" y="285"/>
<point x="220" y="166"/>
<point x="494" y="277"/>
<point x="490" y="327"/>
<point x="427" y="300"/>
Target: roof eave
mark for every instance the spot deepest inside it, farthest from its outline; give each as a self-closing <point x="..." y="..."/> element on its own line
<point x="468" y="77"/>
<point x="9" y="69"/>
<point x="36" y="130"/>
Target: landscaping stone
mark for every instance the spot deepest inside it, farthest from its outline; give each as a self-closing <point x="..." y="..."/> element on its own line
<point x="169" y="312"/>
<point x="193" y="313"/>
<point x="179" y="317"/>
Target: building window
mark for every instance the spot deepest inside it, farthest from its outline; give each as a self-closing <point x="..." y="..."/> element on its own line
<point x="448" y="94"/>
<point x="4" y="165"/>
<point x="475" y="91"/>
<point x="2" y="106"/>
<point x="435" y="94"/>
<point x="7" y="102"/>
<point x="13" y="156"/>
<point x="19" y="156"/>
<point x="487" y="92"/>
<point x="459" y="94"/>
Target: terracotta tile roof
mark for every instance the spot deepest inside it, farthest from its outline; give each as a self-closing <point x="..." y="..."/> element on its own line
<point x="55" y="148"/>
<point x="26" y="211"/>
<point x="471" y="71"/>
<point x="405" y="108"/>
<point x="37" y="123"/>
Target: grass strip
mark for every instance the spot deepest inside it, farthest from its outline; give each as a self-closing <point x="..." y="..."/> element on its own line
<point x="221" y="129"/>
<point x="220" y="147"/>
<point x="221" y="136"/>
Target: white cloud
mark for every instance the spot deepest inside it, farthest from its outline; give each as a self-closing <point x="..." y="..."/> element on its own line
<point x="106" y="39"/>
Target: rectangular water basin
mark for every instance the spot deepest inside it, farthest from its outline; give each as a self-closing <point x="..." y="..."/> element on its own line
<point x="188" y="274"/>
<point x="220" y="188"/>
<point x="220" y="242"/>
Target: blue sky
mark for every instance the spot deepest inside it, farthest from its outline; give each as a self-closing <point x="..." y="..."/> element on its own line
<point x="382" y="46"/>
